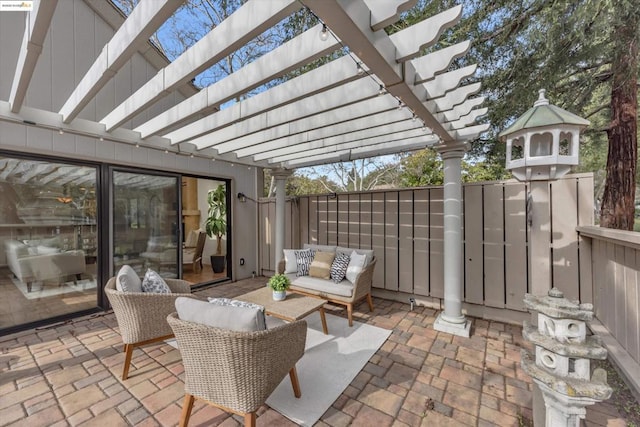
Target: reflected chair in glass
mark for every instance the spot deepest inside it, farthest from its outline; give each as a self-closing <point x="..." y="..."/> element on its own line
<point x="236" y="371"/>
<point x="142" y="316"/>
<point x="192" y="257"/>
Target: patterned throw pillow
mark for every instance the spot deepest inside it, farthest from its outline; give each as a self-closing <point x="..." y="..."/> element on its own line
<point x="339" y="267"/>
<point x="304" y="258"/>
<point x="154" y="283"/>
<point x="234" y="303"/>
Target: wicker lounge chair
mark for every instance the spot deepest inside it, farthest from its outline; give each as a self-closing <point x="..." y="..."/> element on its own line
<point x="236" y="371"/>
<point x="142" y="317"/>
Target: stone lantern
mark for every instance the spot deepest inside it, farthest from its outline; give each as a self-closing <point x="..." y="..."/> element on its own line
<point x="561" y="367"/>
<point x="543" y="143"/>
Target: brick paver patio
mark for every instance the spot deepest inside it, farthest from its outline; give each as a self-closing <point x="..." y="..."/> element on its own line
<point x="70" y="375"/>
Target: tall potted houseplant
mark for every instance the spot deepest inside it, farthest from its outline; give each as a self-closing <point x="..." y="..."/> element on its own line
<point x="216" y="224"/>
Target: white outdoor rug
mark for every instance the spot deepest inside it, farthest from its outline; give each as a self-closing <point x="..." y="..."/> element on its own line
<point x="329" y="364"/>
<point x="50" y="289"/>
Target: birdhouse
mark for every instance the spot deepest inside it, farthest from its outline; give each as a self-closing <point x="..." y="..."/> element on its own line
<point x="543" y="143"/>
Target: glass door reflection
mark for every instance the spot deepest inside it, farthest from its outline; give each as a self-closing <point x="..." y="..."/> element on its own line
<point x="145" y="223"/>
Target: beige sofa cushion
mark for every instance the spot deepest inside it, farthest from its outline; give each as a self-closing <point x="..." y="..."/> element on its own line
<point x="344" y="288"/>
<point x="241" y="319"/>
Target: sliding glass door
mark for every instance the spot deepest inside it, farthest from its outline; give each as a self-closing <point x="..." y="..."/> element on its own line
<point x="145" y="222"/>
<point x="48" y="240"/>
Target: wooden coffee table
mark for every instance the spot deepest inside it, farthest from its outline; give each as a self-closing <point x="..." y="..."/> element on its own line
<point x="294" y="307"/>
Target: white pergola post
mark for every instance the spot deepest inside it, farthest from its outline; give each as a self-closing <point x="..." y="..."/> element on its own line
<point x="280" y="176"/>
<point x="451" y="320"/>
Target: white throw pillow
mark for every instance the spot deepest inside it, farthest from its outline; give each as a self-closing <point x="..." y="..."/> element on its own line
<point x="356" y="264"/>
<point x="290" y="264"/>
<point x="127" y="280"/>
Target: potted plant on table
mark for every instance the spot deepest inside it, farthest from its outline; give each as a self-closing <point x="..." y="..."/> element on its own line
<point x="279" y="283"/>
<point x="216" y="224"/>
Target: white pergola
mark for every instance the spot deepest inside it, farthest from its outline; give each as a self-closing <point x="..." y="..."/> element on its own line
<point x="331" y="114"/>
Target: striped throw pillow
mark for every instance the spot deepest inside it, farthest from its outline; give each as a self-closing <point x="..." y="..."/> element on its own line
<point x="339" y="267"/>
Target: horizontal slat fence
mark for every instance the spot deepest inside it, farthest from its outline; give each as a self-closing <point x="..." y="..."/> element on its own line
<point x="405" y="227"/>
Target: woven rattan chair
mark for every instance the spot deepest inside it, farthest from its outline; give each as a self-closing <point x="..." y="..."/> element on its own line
<point x="236" y="371"/>
<point x="142" y="317"/>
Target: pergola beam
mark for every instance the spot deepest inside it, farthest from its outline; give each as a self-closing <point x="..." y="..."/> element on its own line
<point x="326" y="77"/>
<point x="249" y="21"/>
<point x="145" y="19"/>
<point x="299" y="51"/>
<point x="37" y="23"/>
<point x="350" y="20"/>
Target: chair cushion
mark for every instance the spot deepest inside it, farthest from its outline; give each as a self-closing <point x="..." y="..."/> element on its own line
<point x="127" y="280"/>
<point x="348" y="251"/>
<point x="234" y="303"/>
<point x="303" y="259"/>
<point x="241" y="319"/>
<point x="339" y="267"/>
<point x="321" y="265"/>
<point x="154" y="283"/>
<point x="290" y="264"/>
<point x="356" y="264"/>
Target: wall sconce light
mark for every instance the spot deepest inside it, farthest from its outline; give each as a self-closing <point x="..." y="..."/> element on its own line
<point x="242" y="198"/>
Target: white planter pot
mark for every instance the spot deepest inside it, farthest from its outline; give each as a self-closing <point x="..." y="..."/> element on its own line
<point x="279" y="295"/>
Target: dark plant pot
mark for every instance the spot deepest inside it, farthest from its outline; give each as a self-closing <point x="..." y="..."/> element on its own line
<point x="218" y="263"/>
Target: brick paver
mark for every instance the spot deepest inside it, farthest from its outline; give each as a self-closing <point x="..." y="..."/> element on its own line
<point x="70" y="376"/>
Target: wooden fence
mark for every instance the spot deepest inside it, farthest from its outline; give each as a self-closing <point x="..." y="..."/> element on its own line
<point x="616" y="279"/>
<point x="405" y="228"/>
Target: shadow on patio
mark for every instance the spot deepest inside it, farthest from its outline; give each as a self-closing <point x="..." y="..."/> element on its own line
<point x="69" y="375"/>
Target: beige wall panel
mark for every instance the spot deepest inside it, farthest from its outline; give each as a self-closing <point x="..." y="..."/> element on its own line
<point x="585" y="217"/>
<point x="84" y="21"/>
<point x="313" y="219"/>
<point x="421" y="259"/>
<point x="343" y="220"/>
<point x="366" y="223"/>
<point x="332" y="221"/>
<point x="40" y="92"/>
<point x="62" y="78"/>
<point x="391" y="240"/>
<point x="473" y="256"/>
<point x="405" y="242"/>
<point x="304" y="221"/>
<point x="354" y="221"/>
<point x="436" y="242"/>
<point x="494" y="292"/>
<point x="322" y="220"/>
<point x="630" y="309"/>
<point x="9" y="47"/>
<point x="377" y="238"/>
<point x="564" y="219"/>
<point x="608" y="287"/>
<point x="272" y="236"/>
<point x="288" y="225"/>
<point x="515" y="245"/>
<point x="620" y="292"/>
<point x="633" y="310"/>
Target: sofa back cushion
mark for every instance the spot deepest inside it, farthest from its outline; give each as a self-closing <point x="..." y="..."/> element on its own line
<point x="321" y="265"/>
<point x="323" y="248"/>
<point x="366" y="252"/>
<point x="127" y="280"/>
<point x="241" y="319"/>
